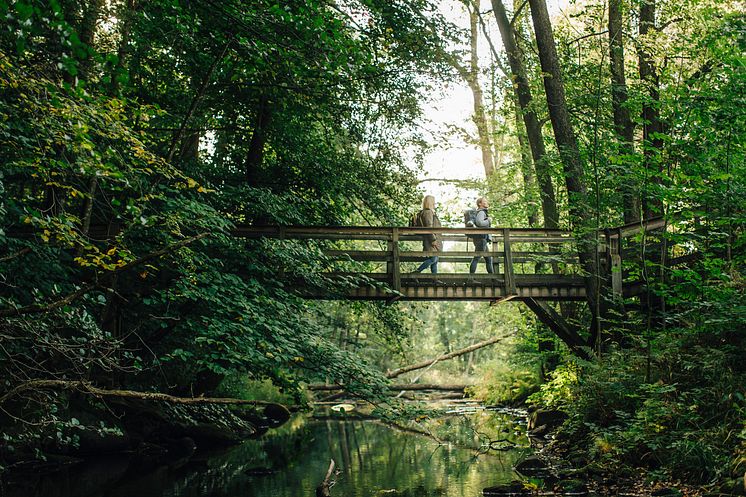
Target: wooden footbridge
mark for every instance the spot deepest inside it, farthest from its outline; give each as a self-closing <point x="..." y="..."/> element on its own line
<point x="533" y="266"/>
<point x="378" y="263"/>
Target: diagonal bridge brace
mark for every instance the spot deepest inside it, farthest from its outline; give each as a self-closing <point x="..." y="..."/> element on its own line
<point x="555" y="322"/>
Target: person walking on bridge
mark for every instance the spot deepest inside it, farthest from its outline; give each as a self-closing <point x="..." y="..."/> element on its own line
<point x="427" y="218"/>
<point x="482" y="242"/>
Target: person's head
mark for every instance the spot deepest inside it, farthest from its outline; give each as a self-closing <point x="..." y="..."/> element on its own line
<point x="483" y="203"/>
<point x="428" y="202"/>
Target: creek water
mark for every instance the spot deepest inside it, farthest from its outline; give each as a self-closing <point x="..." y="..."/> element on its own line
<point x="462" y="453"/>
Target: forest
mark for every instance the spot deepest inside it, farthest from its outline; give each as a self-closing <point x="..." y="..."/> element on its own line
<point x="205" y="231"/>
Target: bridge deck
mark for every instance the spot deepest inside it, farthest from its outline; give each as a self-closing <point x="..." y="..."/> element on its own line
<point x="455" y="286"/>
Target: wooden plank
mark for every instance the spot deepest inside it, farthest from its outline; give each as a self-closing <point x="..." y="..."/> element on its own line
<point x="456" y="256"/>
<point x="315" y="387"/>
<point x="628" y="230"/>
<point x="454" y="253"/>
<point x="478" y="293"/>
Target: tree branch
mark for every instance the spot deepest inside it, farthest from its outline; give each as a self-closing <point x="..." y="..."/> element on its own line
<point x="518" y="12"/>
<point x="495" y="55"/>
<point x="20" y="253"/>
<point x="589" y="35"/>
<point x="63" y="301"/>
<point x="323" y="489"/>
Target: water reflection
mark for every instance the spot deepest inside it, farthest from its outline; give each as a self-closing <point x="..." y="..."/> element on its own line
<point x="373" y="459"/>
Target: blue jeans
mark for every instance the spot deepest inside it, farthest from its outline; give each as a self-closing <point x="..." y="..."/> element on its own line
<point x="481" y="245"/>
<point x="431" y="262"/>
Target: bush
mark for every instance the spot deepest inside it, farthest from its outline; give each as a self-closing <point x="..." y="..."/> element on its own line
<point x="500" y="384"/>
<point x="679" y="422"/>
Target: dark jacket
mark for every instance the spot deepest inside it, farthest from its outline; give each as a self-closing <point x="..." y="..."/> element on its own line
<point x="429" y="219"/>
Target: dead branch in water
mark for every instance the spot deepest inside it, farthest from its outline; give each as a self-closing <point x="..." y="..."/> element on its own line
<point x="323" y="489"/>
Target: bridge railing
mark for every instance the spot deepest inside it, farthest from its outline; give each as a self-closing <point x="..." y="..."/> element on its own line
<point x="515" y="251"/>
<point x="390" y="254"/>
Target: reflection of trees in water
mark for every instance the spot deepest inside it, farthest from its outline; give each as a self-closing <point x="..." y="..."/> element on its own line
<point x="291" y="461"/>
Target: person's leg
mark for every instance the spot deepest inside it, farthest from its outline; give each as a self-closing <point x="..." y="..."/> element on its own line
<point x="478" y="247"/>
<point x="426" y="264"/>
<point x="434" y="266"/>
<point x="490" y="267"/>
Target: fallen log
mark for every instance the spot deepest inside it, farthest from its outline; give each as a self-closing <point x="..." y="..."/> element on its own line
<point x="403" y="386"/>
<point x="88" y="388"/>
<point x="419" y="365"/>
<point x="445" y="357"/>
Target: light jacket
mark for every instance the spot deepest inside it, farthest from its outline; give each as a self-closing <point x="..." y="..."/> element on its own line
<point x="482" y="220"/>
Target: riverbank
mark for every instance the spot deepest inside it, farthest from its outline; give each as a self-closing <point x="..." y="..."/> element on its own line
<point x="569" y="459"/>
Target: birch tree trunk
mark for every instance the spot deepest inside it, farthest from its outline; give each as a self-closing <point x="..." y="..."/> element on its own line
<point x="471" y="76"/>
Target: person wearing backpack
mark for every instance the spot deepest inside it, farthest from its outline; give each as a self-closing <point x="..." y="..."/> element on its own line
<point x="427" y="218"/>
<point x="481" y="219"/>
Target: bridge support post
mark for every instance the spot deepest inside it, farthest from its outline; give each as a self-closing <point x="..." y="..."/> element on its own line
<point x="393" y="265"/>
<point x="510" y="288"/>
<point x="559" y="326"/>
<point x="281" y="236"/>
<point x="615" y="264"/>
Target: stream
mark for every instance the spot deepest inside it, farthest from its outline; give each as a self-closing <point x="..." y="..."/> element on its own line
<point x="454" y="458"/>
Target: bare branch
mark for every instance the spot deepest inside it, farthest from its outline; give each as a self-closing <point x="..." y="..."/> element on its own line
<point x="495" y="56"/>
<point x="20" y="253"/>
<point x="589" y="35"/>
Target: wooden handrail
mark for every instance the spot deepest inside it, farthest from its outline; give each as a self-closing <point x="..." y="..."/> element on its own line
<point x="103" y="231"/>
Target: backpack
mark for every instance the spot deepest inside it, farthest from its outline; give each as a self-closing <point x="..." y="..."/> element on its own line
<point x="470" y="218"/>
<point x="470" y="221"/>
<point x="415" y="220"/>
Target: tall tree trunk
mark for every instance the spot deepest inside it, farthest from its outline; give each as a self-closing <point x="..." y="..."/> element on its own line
<point x="651" y="122"/>
<point x="471" y="76"/>
<point x="572" y="164"/>
<point x="652" y="143"/>
<point x="255" y="155"/>
<point x="533" y="129"/>
<point x="90" y="21"/>
<point x="623" y="125"/>
<point x="195" y="101"/>
<point x="87" y="30"/>
<point x="529" y="180"/>
<point x="480" y="117"/>
<point x="126" y="19"/>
